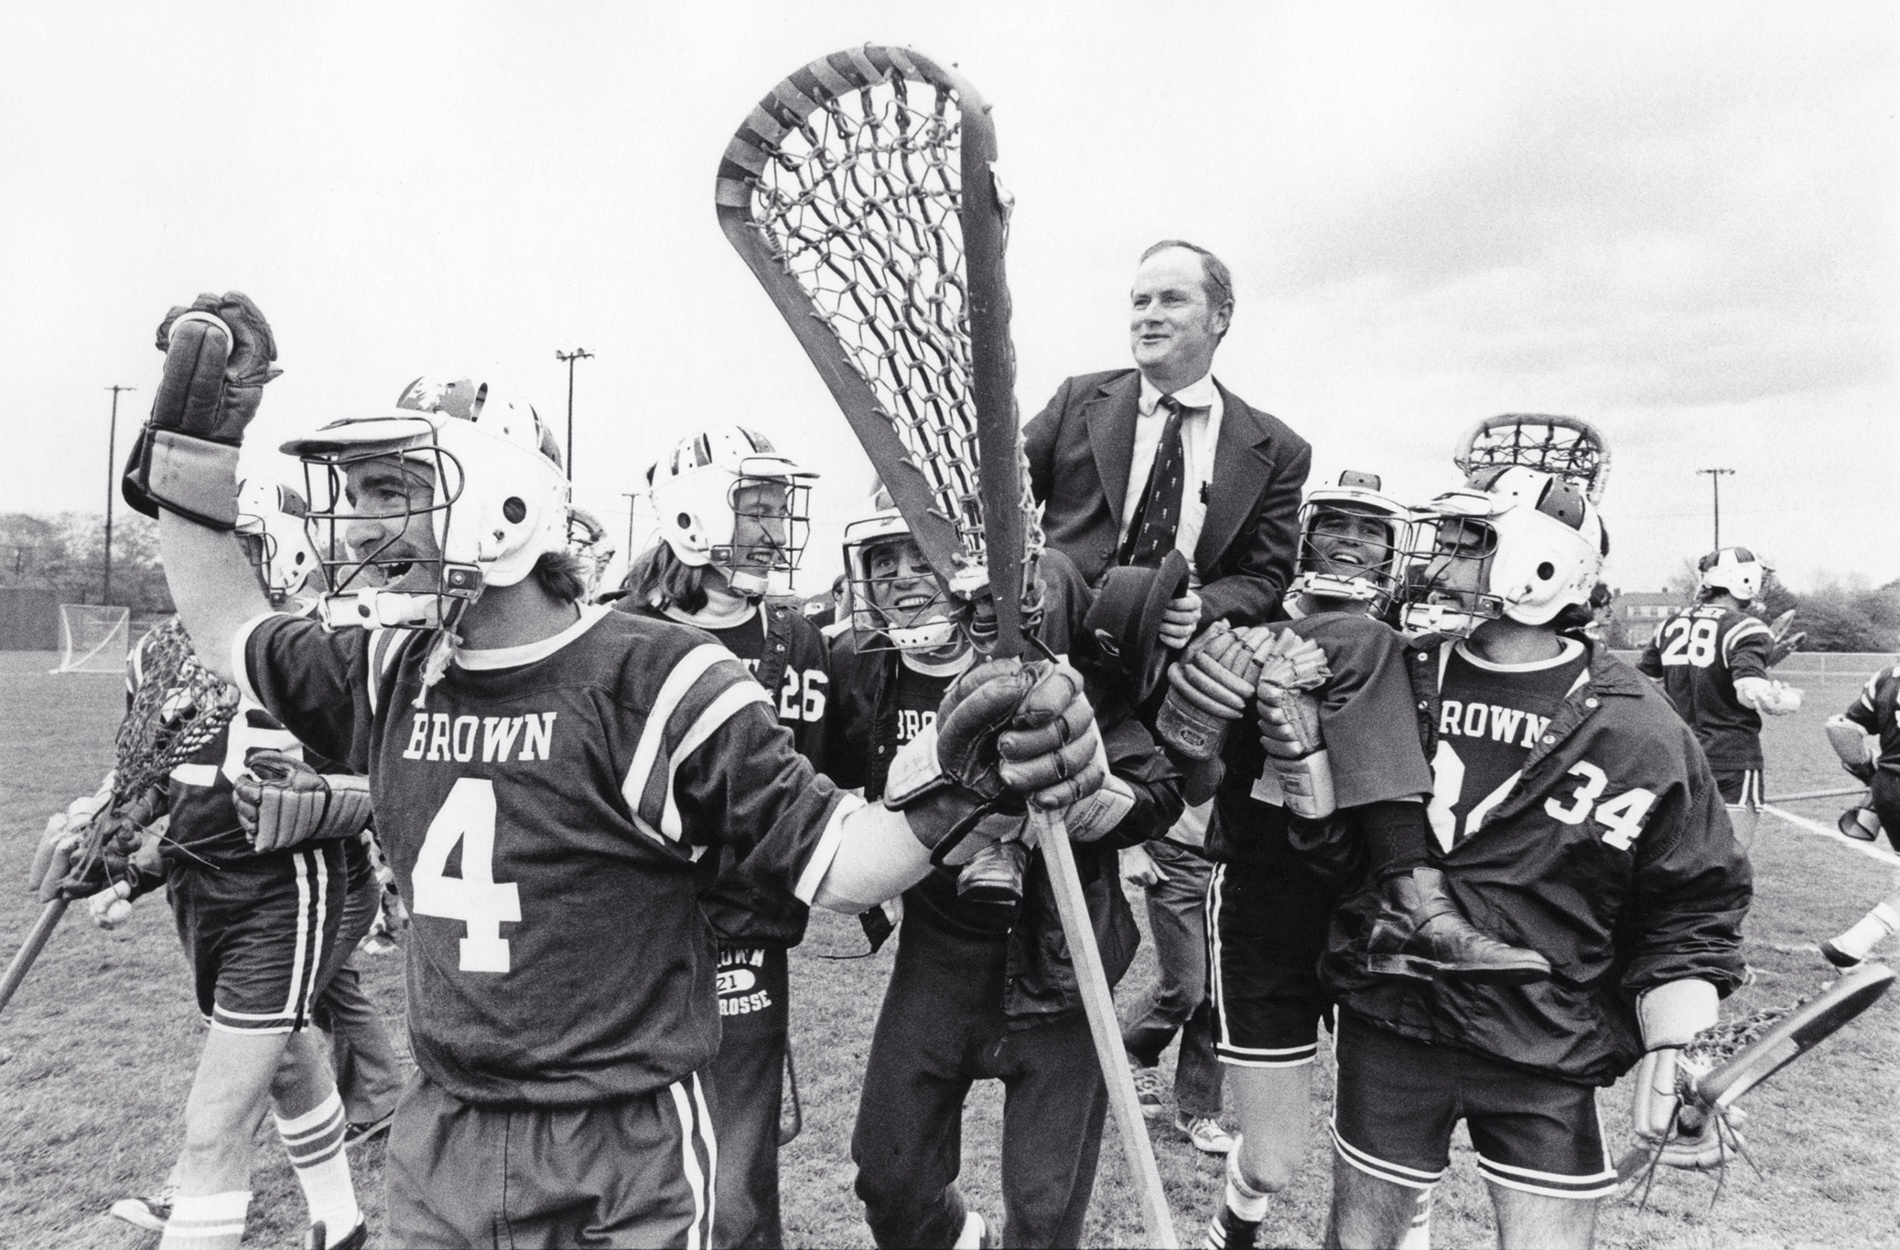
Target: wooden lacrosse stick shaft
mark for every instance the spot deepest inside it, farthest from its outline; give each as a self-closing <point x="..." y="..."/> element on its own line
<point x="1098" y="1003"/>
<point x="30" y="949"/>
<point x="1815" y="794"/>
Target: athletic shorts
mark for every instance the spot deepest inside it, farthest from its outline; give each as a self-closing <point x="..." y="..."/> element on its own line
<point x="1398" y="1100"/>
<point x="631" y="1172"/>
<point x="1740" y="787"/>
<point x="265" y="936"/>
<point x="1266" y="930"/>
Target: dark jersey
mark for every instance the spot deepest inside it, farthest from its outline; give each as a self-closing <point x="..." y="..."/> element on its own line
<point x="548" y="810"/>
<point x="1610" y="854"/>
<point x="1366" y="719"/>
<point x="741" y="911"/>
<point x="1877" y="711"/>
<point x="1698" y="653"/>
<point x="1490" y="718"/>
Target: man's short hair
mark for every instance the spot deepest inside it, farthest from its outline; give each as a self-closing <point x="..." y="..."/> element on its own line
<point x="1217" y="281"/>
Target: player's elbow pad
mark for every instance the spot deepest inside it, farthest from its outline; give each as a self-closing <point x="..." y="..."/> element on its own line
<point x="878" y="857"/>
<point x="1848" y="741"/>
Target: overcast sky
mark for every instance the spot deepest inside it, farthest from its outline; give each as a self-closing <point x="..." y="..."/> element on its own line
<point x="1677" y="220"/>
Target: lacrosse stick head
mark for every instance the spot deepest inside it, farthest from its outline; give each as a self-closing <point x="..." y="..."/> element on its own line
<point x="862" y="194"/>
<point x="1566" y="447"/>
<point x="1742" y="1055"/>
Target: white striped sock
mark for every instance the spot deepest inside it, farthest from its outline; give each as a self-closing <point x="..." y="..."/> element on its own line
<point x="314" y="1142"/>
<point x="206" y="1221"/>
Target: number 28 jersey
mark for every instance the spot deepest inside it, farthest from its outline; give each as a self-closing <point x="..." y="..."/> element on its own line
<point x="1698" y="653"/>
<point x="552" y="813"/>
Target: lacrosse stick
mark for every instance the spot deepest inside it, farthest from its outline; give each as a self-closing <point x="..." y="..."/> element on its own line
<point x="177" y="708"/>
<point x="1727" y="1061"/>
<point x="1569" y="447"/>
<point x="862" y="194"/>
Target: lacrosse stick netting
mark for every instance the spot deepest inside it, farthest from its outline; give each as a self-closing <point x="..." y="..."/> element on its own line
<point x="861" y="194"/>
<point x="1568" y="447"/>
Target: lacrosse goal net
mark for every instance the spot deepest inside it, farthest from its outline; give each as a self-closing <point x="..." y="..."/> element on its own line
<point x="93" y="638"/>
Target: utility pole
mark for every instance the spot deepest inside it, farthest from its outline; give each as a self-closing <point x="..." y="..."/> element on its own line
<point x="570" y="358"/>
<point x="112" y="480"/>
<point x="632" y="497"/>
<point x="1715" y="485"/>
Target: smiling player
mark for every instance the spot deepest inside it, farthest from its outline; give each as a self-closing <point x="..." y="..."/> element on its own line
<point x="553" y="785"/>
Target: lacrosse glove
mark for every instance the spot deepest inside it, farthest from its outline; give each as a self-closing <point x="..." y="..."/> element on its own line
<point x="284" y="802"/>
<point x="1007" y="734"/>
<point x="1290" y="667"/>
<point x="1208" y="690"/>
<point x="1671" y="1015"/>
<point x="218" y="355"/>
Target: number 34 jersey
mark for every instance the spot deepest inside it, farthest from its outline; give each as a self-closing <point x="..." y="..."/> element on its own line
<point x="1581" y="822"/>
<point x="552" y="813"/>
<point x="1698" y="653"/>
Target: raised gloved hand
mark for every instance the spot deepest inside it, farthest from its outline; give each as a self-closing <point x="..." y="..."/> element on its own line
<point x="218" y="355"/>
<point x="282" y="802"/>
<point x="1208" y="689"/>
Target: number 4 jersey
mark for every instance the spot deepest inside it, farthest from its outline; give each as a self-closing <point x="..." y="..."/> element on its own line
<point x="1698" y="653"/>
<point x="552" y="813"/>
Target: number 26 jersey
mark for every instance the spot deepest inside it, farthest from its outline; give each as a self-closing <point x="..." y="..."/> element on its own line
<point x="552" y="813"/>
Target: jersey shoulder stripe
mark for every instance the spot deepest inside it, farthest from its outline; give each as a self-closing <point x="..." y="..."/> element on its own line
<point x="708" y="722"/>
<point x="1749" y="627"/>
<point x="690" y="691"/>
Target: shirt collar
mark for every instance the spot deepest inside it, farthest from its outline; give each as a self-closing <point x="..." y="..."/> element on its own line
<point x="491" y="659"/>
<point x="1196" y="394"/>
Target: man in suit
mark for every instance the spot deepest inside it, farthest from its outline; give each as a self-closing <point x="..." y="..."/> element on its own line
<point x="1229" y="483"/>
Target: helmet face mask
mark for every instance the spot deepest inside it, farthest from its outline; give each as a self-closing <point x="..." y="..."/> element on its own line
<point x="1445" y="589"/>
<point x="896" y="601"/>
<point x="1517" y="543"/>
<point x="417" y="510"/>
<point x="726" y="499"/>
<point x="1353" y="544"/>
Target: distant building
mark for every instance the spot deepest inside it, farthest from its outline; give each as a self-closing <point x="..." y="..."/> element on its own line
<point x="1636" y="616"/>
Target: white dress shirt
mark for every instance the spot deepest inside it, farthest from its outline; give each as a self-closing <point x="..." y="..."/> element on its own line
<point x="1200" y="434"/>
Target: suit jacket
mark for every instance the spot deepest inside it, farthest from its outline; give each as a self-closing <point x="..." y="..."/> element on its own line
<point x="1079" y="448"/>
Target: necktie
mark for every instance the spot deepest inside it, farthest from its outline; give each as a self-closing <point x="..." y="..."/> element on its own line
<point x="1158" y="515"/>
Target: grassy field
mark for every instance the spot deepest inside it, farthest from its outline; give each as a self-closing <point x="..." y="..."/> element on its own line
<point x="97" y="1051"/>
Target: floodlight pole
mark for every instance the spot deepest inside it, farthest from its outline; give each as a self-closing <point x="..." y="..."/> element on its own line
<point x="570" y="358"/>
<point x="1715" y="485"/>
<point x="112" y="479"/>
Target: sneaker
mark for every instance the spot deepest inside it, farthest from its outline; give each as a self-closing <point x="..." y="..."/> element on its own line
<point x="146" y="1212"/>
<point x="1206" y="1133"/>
<point x="354" y="1133"/>
<point x="1149" y="1091"/>
<point x="317" y="1239"/>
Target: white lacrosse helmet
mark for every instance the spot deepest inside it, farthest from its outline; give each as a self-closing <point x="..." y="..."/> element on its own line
<point x="270" y="524"/>
<point x="499" y="500"/>
<point x="1334" y="573"/>
<point x="921" y="620"/>
<point x="1735" y="570"/>
<point x="1536" y="541"/>
<point x="695" y="490"/>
